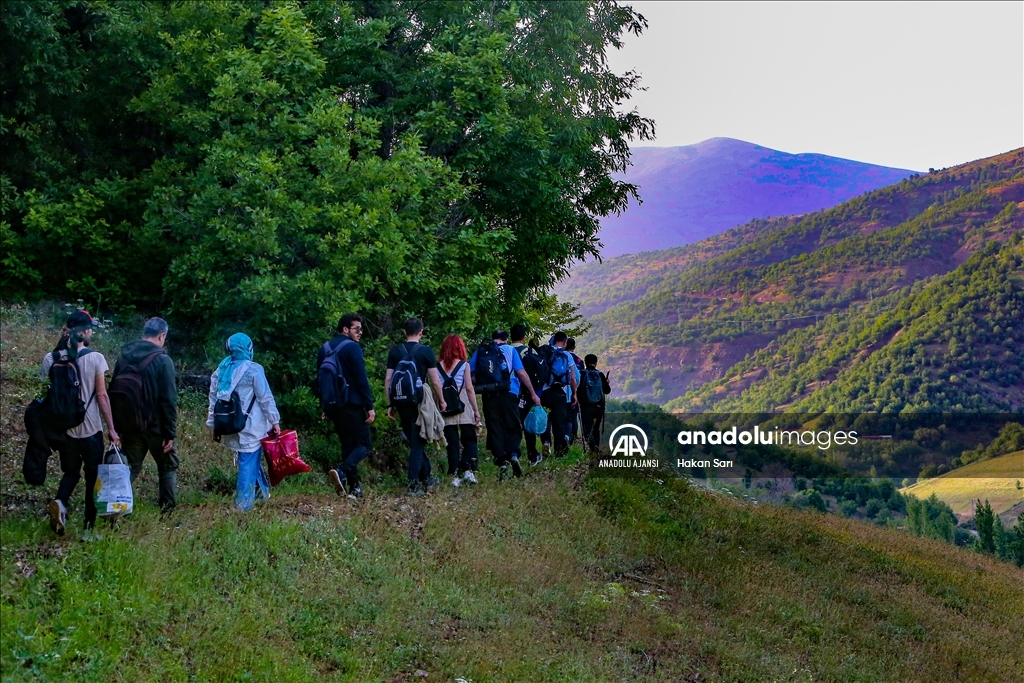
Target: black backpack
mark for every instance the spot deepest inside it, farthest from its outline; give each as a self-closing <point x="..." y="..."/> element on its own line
<point x="406" y="384"/>
<point x="228" y="417"/>
<point x="592" y="390"/>
<point x="130" y="402"/>
<point x="537" y="366"/>
<point x="450" y="391"/>
<point x="331" y="382"/>
<point x="64" y="403"/>
<point x="492" y="374"/>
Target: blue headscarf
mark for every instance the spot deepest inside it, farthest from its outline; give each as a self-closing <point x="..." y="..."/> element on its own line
<point x="240" y="347"/>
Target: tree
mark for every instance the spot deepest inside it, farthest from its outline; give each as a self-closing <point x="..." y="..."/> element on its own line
<point x="985" y="524"/>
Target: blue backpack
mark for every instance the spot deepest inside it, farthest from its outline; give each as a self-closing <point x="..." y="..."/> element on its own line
<point x="331" y="380"/>
<point x="559" y="362"/>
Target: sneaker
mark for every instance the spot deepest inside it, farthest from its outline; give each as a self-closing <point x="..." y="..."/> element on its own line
<point x="456" y="482"/>
<point x="517" y="469"/>
<point x="534" y="463"/>
<point x="414" y="490"/>
<point x="503" y="473"/>
<point x="431" y="482"/>
<point x="90" y="535"/>
<point x="546" y="451"/>
<point x="58" y="516"/>
<point x="356" y="492"/>
<point x="470" y="477"/>
<point x="335" y="479"/>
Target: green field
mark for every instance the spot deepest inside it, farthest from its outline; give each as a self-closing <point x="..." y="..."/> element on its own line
<point x="994" y="480"/>
<point x="560" y="576"/>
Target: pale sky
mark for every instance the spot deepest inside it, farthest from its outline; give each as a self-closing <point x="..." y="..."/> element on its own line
<point x="912" y="85"/>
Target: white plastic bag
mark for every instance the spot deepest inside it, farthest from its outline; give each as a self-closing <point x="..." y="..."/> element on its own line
<point x="113" y="493"/>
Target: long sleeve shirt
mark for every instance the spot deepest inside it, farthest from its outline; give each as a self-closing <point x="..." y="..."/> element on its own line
<point x="353" y="366"/>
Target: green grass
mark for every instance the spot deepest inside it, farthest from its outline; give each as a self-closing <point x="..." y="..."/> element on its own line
<point x="560" y="576"/>
<point x="994" y="480"/>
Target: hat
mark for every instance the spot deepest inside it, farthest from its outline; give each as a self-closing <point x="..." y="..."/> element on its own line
<point x="81" y="318"/>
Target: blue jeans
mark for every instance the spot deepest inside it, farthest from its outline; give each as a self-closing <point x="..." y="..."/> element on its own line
<point x="250" y="475"/>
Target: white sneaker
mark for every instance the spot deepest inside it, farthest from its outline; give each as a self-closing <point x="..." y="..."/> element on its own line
<point x="58" y="516"/>
<point x="470" y="477"/>
<point x="90" y="535"/>
<point x="456" y="482"/>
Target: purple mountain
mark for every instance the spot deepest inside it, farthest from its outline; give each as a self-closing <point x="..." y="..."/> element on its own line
<point x="696" y="191"/>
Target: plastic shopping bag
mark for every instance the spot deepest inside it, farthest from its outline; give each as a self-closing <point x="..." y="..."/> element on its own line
<point x="536" y="420"/>
<point x="282" y="456"/>
<point x="113" y="494"/>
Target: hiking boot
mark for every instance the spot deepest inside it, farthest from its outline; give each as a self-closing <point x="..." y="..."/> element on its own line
<point x="335" y="479"/>
<point x="90" y="535"/>
<point x="415" y="490"/>
<point x="545" y="451"/>
<point x="431" y="482"/>
<point x="470" y="477"/>
<point x="456" y="482"/>
<point x="517" y="469"/>
<point x="58" y="516"/>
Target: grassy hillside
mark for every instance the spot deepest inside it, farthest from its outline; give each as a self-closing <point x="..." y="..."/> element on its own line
<point x="692" y="323"/>
<point x="560" y="576"/>
<point x="994" y="480"/>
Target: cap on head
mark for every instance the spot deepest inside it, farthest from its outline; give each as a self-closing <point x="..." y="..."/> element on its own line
<point x="81" y="318"/>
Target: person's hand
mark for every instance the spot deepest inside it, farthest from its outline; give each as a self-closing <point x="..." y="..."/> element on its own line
<point x="168" y="444"/>
<point x="444" y="406"/>
<point x="391" y="413"/>
<point x="275" y="431"/>
<point x="323" y="416"/>
<point x="574" y="402"/>
<point x="536" y="400"/>
<point x="215" y="435"/>
<point x="114" y="438"/>
<point x="371" y="415"/>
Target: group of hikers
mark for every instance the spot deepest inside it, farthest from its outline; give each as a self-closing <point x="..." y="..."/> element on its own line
<point x="434" y="398"/>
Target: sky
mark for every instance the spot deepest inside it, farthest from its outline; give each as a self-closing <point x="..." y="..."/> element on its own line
<point x="914" y="85"/>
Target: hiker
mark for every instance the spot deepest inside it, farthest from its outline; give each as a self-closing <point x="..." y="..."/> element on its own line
<point x="144" y="402"/>
<point x="529" y="358"/>
<point x="461" y="416"/>
<point x="498" y="375"/>
<point x="351" y="406"/>
<point x="240" y="385"/>
<point x="78" y="409"/>
<point x="409" y="364"/>
<point x="574" y="413"/>
<point x="593" y="388"/>
<point x="559" y="392"/>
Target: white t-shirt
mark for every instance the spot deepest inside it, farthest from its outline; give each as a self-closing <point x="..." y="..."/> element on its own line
<point x="90" y="365"/>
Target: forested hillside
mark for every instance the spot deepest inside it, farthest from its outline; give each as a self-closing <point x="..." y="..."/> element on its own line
<point x="694" y="322"/>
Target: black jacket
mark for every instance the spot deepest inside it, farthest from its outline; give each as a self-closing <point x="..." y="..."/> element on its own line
<point x="159" y="379"/>
<point x="353" y="366"/>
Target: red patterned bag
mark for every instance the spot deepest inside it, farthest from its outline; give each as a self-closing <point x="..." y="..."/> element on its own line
<point x="282" y="456"/>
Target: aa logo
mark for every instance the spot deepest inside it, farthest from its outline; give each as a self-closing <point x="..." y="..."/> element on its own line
<point x="626" y="441"/>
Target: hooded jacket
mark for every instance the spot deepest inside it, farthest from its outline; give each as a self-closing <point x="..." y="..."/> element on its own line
<point x="159" y="380"/>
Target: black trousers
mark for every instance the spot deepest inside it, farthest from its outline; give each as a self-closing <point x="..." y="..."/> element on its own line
<point x="590" y="425"/>
<point x="530" y="439"/>
<point x="505" y="431"/>
<point x="419" y="463"/>
<point x="135" y="446"/>
<point x="356" y="441"/>
<point x="554" y="400"/>
<point x="77" y="455"/>
<point x="461" y="438"/>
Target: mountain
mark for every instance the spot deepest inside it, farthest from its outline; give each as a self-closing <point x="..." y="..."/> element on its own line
<point x="692" y="192"/>
<point x="867" y="279"/>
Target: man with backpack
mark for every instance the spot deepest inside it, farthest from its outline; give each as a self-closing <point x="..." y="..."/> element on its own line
<point x="537" y="373"/>
<point x="574" y="413"/>
<point x="347" y="400"/>
<point x="594" y="387"/>
<point x="409" y="364"/>
<point x="76" y="400"/>
<point x="554" y="395"/>
<point x="144" y="403"/>
<point x="498" y="376"/>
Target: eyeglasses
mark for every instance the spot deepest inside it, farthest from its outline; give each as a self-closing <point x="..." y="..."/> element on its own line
<point x="356" y="330"/>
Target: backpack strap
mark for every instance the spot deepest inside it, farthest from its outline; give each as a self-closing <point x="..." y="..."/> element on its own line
<point x="251" y="403"/>
<point x="147" y="360"/>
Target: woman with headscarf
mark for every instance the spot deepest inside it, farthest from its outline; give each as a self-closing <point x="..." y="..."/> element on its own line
<point x="238" y="373"/>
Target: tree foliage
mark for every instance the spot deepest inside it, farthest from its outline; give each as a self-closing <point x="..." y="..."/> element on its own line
<point x="267" y="166"/>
